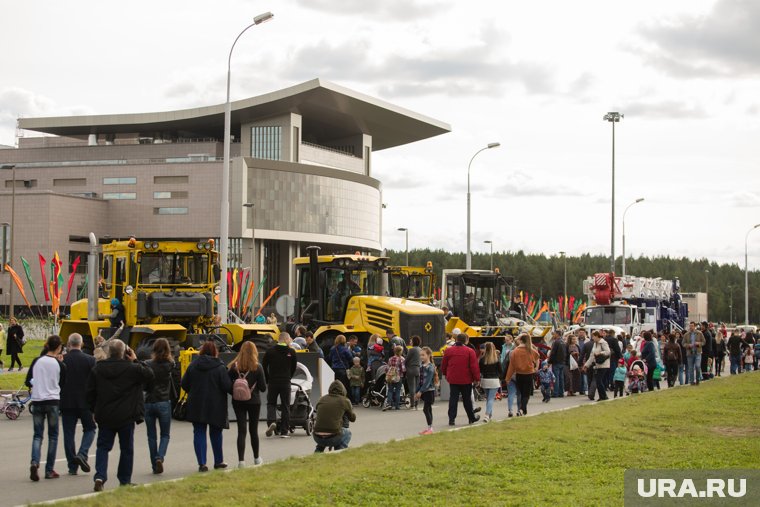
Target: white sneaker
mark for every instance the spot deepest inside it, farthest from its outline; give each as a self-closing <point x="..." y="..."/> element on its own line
<point x="258" y="461"/>
<point x="486" y="419"/>
<point x="241" y="464"/>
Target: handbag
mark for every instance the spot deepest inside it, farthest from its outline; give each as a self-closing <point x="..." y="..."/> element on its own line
<point x="180" y="409"/>
<point x="573" y="364"/>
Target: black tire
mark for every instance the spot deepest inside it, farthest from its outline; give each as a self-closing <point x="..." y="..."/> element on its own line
<point x="309" y="427"/>
<point x="12" y="411"/>
<point x="366" y="402"/>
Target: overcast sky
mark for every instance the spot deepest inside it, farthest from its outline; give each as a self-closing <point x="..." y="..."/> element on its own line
<point x="535" y="76"/>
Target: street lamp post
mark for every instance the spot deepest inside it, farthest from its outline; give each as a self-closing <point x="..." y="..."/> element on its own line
<point x="640" y="199"/>
<point x="707" y="292"/>
<point x="12" y="167"/>
<point x="468" y="260"/>
<point x="613" y="118"/>
<point x="406" y="231"/>
<point x="564" y="300"/>
<point x="225" y="204"/>
<point x="489" y="242"/>
<point x="731" y="304"/>
<point x="746" y="275"/>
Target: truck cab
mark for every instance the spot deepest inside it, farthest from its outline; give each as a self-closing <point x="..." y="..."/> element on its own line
<point x="412" y="282"/>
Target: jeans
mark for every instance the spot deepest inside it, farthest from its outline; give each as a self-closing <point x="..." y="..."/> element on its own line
<point x="40" y="413"/>
<point x="69" y="418"/>
<point x="199" y="443"/>
<point x="394" y="395"/>
<point x="412" y="381"/>
<point x="546" y="391"/>
<point x="466" y="391"/>
<point x="681" y="372"/>
<point x="490" y="398"/>
<point x="584" y="382"/>
<point x="694" y="364"/>
<point x="337" y="442"/>
<point x="106" y="438"/>
<point x="356" y="394"/>
<point x="281" y="391"/>
<point x="736" y="362"/>
<point x="161" y="412"/>
<point x="600" y="385"/>
<point x="513" y="396"/>
<point x="559" y="380"/>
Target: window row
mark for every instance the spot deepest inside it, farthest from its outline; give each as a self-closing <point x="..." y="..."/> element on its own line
<point x="108" y="196"/>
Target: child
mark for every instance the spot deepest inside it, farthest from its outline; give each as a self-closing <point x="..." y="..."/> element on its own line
<point x="628" y="352"/>
<point x="356" y="379"/>
<point x="426" y="389"/>
<point x="546" y="376"/>
<point x="619" y="378"/>
<point x="636" y="381"/>
<point x="394" y="378"/>
<point x="657" y="376"/>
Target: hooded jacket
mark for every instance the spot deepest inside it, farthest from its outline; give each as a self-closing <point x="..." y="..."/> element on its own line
<point x="115" y="392"/>
<point x="331" y="408"/>
<point x="207" y="384"/>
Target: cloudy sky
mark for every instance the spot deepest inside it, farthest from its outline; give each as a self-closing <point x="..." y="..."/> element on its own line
<point x="535" y="76"/>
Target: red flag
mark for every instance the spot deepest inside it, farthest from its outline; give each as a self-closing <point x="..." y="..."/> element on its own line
<point x="44" y="280"/>
<point x="74" y="266"/>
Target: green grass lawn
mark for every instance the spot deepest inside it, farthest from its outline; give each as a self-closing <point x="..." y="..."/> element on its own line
<point x="574" y="457"/>
<point x="12" y="381"/>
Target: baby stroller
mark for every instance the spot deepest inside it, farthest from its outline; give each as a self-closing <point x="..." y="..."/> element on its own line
<point x="377" y="390"/>
<point x="637" y="377"/>
<point x="302" y="413"/>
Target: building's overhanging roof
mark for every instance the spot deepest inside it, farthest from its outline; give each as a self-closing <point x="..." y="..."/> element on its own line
<point x="323" y="105"/>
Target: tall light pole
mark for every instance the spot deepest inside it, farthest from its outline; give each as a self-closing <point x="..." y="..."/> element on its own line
<point x="707" y="292"/>
<point x="731" y="304"/>
<point x="225" y="204"/>
<point x="613" y="117"/>
<point x="468" y="260"/>
<point x="406" y="231"/>
<point x="252" y="207"/>
<point x="12" y="167"/>
<point x="746" y="276"/>
<point x="564" y="300"/>
<point x="640" y="199"/>
<point x="489" y="242"/>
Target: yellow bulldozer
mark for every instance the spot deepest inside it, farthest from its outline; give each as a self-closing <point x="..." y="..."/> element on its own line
<point x="166" y="288"/>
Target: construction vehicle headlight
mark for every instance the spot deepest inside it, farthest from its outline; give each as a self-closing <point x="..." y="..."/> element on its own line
<point x="128" y="289"/>
<point x="199" y="245"/>
<point x="217" y="290"/>
<point x="207" y="246"/>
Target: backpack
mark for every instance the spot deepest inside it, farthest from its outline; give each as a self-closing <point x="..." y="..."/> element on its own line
<point x="393" y="375"/>
<point x="671" y="355"/>
<point x="240" y="389"/>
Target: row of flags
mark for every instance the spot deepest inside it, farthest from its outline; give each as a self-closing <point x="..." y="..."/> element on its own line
<point x="52" y="290"/>
<point x="241" y="296"/>
<point x="567" y="309"/>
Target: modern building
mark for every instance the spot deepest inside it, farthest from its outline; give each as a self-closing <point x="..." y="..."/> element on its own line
<point x="302" y="156"/>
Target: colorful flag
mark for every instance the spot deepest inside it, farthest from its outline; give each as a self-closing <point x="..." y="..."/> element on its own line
<point x="83" y="291"/>
<point x="264" y="303"/>
<point x="44" y="280"/>
<point x="18" y="283"/>
<point x="74" y="266"/>
<point x="29" y="279"/>
<point x="233" y="301"/>
<point x="256" y="295"/>
<point x="544" y="308"/>
<point x="55" y="297"/>
<point x="58" y="275"/>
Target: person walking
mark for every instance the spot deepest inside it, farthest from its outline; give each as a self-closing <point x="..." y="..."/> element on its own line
<point x="426" y="388"/>
<point x="15" y="343"/>
<point x="649" y="356"/>
<point x="207" y="385"/>
<point x="734" y="347"/>
<point x="279" y="365"/>
<point x="460" y="367"/>
<point x="588" y="373"/>
<point x="557" y="360"/>
<point x="413" y="363"/>
<point x="708" y="353"/>
<point x="615" y="355"/>
<point x="115" y="394"/>
<point x="523" y="364"/>
<point x="574" y="355"/>
<point x="394" y="378"/>
<point x="341" y="360"/>
<point x="45" y="377"/>
<point x="74" y="406"/>
<point x="158" y="405"/>
<point x="683" y="364"/>
<point x="334" y="411"/>
<point x="356" y="378"/>
<point x="3" y="337"/>
<point x="671" y="352"/>
<point x="693" y="342"/>
<point x="491" y="374"/>
<point x="247" y="377"/>
<point x="720" y="351"/>
<point x="599" y="360"/>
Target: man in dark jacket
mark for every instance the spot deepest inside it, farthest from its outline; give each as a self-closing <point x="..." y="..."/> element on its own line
<point x="460" y="367"/>
<point x="279" y="365"/>
<point x="708" y="351"/>
<point x="558" y="358"/>
<point x="74" y="405"/>
<point x="588" y="346"/>
<point x="735" y="352"/>
<point x="615" y="355"/>
<point x="115" y="395"/>
<point x="333" y="409"/>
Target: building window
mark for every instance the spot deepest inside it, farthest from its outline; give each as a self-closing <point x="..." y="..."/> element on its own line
<point x="70" y="182"/>
<point x="170" y="211"/>
<point x="170" y="195"/>
<point x="163" y="180"/>
<point x="120" y="181"/>
<point x="21" y="183"/>
<point x="119" y="195"/>
<point x="266" y="142"/>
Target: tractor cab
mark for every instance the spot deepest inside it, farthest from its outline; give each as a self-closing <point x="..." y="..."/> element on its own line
<point x="412" y="282"/>
<point x="477" y="297"/>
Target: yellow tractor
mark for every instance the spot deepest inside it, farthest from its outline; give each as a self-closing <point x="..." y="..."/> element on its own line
<point x="412" y="282"/>
<point x="340" y="294"/>
<point x="166" y="288"/>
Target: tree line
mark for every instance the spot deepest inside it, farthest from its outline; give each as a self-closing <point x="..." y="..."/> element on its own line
<point x="544" y="276"/>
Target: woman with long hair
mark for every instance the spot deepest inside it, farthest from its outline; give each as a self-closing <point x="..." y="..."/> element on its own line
<point x="720" y="351"/>
<point x="671" y="355"/>
<point x="158" y="405"/>
<point x="207" y="384"/>
<point x="523" y="364"/>
<point x="246" y="367"/>
<point x="575" y="374"/>
<point x="427" y="387"/>
<point x="341" y="360"/>
<point x="490" y="377"/>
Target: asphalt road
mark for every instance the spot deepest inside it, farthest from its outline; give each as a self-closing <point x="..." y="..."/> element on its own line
<point x="372" y="425"/>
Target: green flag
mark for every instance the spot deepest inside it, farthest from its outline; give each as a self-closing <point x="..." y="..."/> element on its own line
<point x="29" y="279"/>
<point x="83" y="290"/>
